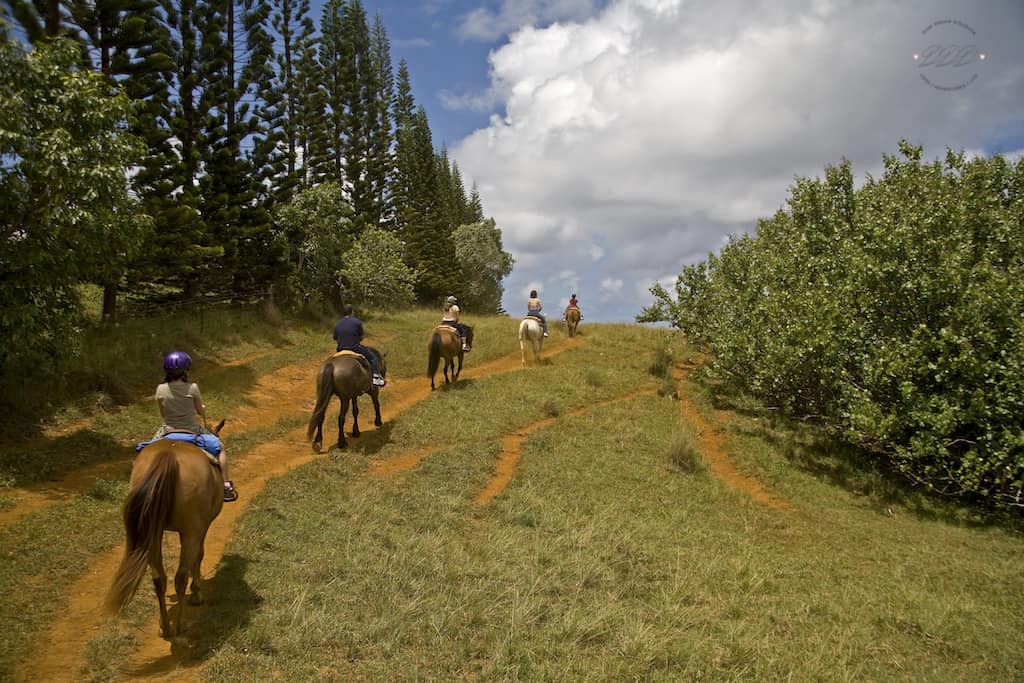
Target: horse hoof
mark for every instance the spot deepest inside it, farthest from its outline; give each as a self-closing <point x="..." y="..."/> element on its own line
<point x="317" y="446"/>
<point x="195" y="599"/>
<point x="341" y="446"/>
<point x="378" y="423"/>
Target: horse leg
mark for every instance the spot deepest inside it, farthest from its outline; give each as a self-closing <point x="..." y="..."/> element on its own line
<point x="156" y="566"/>
<point x="375" y="397"/>
<point x="186" y="564"/>
<point x="341" y="423"/>
<point x="318" y="442"/>
<point x="195" y="595"/>
<point x="522" y="350"/>
<point x="459" y="371"/>
<point x="355" y="416"/>
<point x="447" y="364"/>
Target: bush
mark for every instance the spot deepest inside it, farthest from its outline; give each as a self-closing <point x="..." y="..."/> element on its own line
<point x="893" y="313"/>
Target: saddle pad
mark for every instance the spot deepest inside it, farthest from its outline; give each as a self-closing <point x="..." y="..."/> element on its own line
<point x="346" y="352"/>
<point x="208" y="443"/>
<point x="446" y="328"/>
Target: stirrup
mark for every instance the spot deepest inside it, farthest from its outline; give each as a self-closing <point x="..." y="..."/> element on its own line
<point x="465" y="347"/>
<point x="230" y="494"/>
<point x="378" y="381"/>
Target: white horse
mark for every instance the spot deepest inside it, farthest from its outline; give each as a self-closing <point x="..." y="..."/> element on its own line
<point x="530" y="329"/>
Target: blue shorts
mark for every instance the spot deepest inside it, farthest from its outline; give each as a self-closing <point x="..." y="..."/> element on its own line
<point x="208" y="442"/>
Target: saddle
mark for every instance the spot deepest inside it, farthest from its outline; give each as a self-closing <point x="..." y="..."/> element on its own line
<point x="534" y="315"/>
<point x="209" y="444"/>
<point x="445" y="327"/>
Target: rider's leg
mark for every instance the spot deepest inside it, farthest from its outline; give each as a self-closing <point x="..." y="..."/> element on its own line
<point x="462" y="336"/>
<point x="544" y="322"/>
<point x="230" y="493"/>
<point x="371" y="358"/>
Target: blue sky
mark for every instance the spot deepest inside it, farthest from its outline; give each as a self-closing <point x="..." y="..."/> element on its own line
<point x="615" y="141"/>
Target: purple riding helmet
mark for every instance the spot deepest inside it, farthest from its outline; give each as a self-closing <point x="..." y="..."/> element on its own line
<point x="178" y="362"/>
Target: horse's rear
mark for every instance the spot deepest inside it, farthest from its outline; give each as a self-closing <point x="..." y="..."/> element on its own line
<point x="444" y="342"/>
<point x="572" y="320"/>
<point x="530" y="330"/>
<point x="346" y="377"/>
<point x="174" y="486"/>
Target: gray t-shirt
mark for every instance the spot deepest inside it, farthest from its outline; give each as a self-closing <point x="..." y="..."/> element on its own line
<point x="179" y="400"/>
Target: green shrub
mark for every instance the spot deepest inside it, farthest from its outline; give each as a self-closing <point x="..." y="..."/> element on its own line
<point x="892" y="313"/>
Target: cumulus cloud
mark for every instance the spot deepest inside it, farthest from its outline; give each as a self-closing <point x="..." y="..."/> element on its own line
<point x="635" y="140"/>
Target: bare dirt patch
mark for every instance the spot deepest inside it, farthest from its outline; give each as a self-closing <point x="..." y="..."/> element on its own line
<point x="712" y="446"/>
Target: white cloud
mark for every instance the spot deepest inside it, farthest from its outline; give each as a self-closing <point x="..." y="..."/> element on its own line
<point x="611" y="287"/>
<point x="486" y="24"/>
<point x="412" y="42"/>
<point x="484" y="100"/>
<point x="641" y="136"/>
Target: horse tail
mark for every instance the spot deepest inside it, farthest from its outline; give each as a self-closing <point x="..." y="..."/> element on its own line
<point x="324" y="391"/>
<point x="434" y="356"/>
<point x="147" y="512"/>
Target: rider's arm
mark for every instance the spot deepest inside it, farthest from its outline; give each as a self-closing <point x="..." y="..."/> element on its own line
<point x="197" y="399"/>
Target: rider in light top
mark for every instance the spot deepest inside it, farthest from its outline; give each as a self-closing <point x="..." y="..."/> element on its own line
<point x="181" y="405"/>
<point x="533" y="307"/>
<point x="450" y="316"/>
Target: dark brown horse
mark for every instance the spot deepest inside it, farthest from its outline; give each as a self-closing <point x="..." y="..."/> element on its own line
<point x="572" y="319"/>
<point x="444" y="342"/>
<point x="345" y="375"/>
<point x="174" y="486"/>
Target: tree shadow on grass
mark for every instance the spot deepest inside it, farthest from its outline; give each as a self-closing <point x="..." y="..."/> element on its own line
<point x="865" y="474"/>
<point x="54" y="459"/>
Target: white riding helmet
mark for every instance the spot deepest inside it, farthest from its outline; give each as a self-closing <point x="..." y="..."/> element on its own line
<point x="451" y="300"/>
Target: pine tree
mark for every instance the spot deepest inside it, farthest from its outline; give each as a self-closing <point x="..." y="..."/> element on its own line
<point x="330" y="139"/>
<point x="475" y="208"/>
<point x="380" y="157"/>
<point x="426" y="233"/>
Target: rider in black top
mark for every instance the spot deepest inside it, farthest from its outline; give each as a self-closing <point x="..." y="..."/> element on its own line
<point x="348" y="333"/>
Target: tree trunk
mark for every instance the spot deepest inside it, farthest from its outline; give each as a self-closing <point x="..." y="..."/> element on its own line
<point x="109" y="303"/>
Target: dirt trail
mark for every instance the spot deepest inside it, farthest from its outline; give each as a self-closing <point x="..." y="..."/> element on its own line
<point x="712" y="447"/>
<point x="511" y="448"/>
<point x="60" y="654"/>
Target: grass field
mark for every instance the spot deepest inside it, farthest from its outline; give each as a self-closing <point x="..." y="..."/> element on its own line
<point x="613" y="551"/>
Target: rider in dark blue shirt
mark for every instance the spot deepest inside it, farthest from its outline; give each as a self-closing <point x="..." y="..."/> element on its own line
<point x="348" y="333"/>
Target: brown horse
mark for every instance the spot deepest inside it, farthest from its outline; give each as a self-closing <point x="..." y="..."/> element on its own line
<point x="174" y="486"/>
<point x="444" y="343"/>
<point x="345" y="375"/>
<point x="572" y="319"/>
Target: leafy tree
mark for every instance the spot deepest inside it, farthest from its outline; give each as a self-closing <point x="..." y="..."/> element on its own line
<point x="484" y="265"/>
<point x="65" y="211"/>
<point x="374" y="273"/>
<point x="313" y="231"/>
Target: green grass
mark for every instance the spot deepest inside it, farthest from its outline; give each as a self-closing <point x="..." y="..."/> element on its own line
<point x="614" y="554"/>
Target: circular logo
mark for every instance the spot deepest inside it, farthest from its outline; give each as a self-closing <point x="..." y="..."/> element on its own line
<point x="950" y="58"/>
